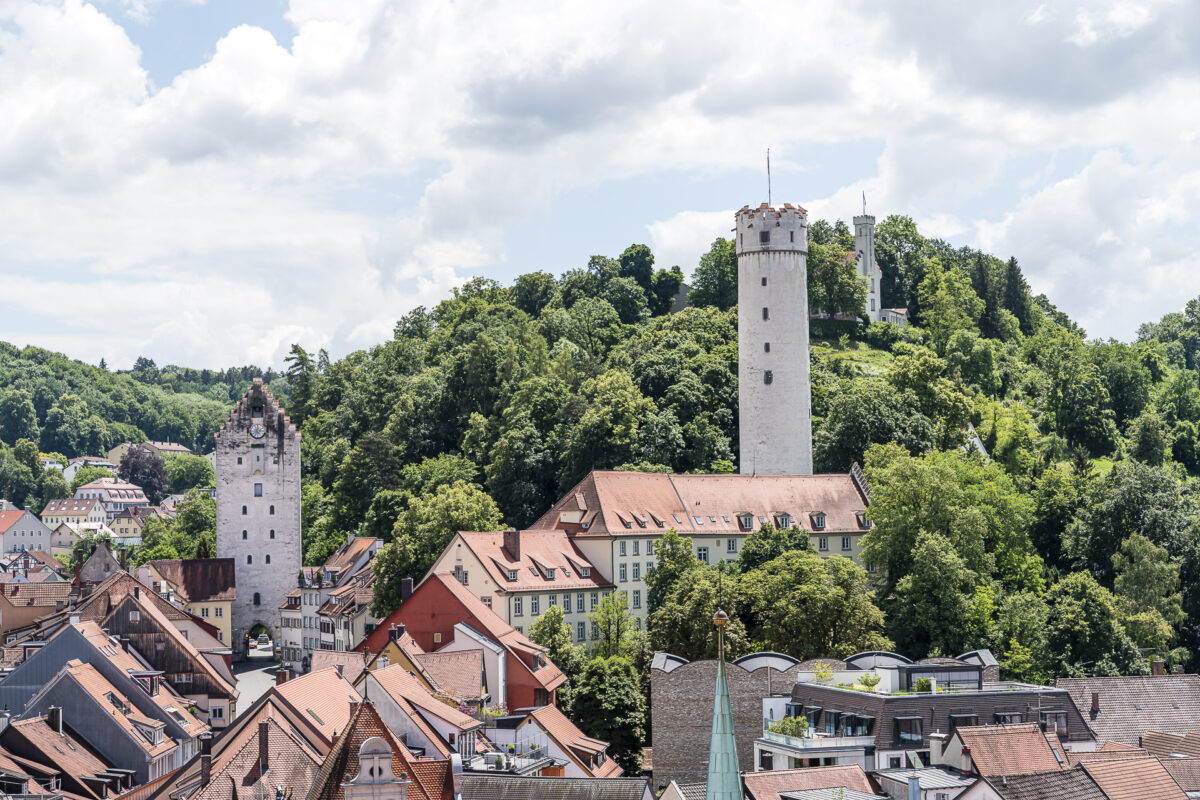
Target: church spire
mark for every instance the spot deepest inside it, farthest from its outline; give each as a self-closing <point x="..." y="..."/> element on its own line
<point x="724" y="775"/>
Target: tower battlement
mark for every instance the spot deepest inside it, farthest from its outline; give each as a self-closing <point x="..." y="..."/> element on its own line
<point x="767" y="229"/>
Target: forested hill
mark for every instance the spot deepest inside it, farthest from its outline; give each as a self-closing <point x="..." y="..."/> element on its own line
<point x="73" y="409"/>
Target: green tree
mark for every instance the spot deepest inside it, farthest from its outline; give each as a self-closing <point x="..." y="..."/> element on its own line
<point x="1084" y="633"/>
<point x="87" y="474"/>
<point x="933" y="602"/>
<point x="533" y="291"/>
<point x="808" y="606"/>
<point x="683" y="624"/>
<point x="948" y="303"/>
<point x="609" y="706"/>
<point x="1147" y="579"/>
<point x="18" y="417"/>
<point x="673" y="558"/>
<point x="52" y="486"/>
<point x="186" y="472"/>
<point x="768" y="543"/>
<point x="834" y="285"/>
<point x="714" y="283"/>
<point x="614" y="626"/>
<point x="1149" y="441"/>
<point x="868" y="411"/>
<point x="143" y="467"/>
<point x="422" y="532"/>
<point x="552" y="632"/>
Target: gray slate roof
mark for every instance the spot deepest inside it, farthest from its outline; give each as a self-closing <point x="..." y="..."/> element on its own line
<point x="1074" y="783"/>
<point x="517" y="787"/>
<point x="693" y="791"/>
<point x="1132" y="705"/>
<point x="830" y="794"/>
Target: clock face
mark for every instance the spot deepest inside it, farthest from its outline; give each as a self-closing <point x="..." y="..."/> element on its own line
<point x="257" y="430"/>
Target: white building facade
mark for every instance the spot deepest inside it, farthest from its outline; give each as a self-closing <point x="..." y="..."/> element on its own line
<point x="868" y="268"/>
<point x="774" y="390"/>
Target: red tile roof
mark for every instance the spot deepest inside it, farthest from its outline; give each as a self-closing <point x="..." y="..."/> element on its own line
<point x="1008" y="749"/>
<point x="47" y="595"/>
<point x="1134" y="780"/>
<point x="324" y="697"/>
<point x="636" y="503"/>
<point x="65" y="752"/>
<point x="569" y="738"/>
<point x="9" y="518"/>
<point x="767" y="785"/>
<point x="429" y="780"/>
<point x="199" y="580"/>
<point x="541" y="553"/>
<point x="458" y="674"/>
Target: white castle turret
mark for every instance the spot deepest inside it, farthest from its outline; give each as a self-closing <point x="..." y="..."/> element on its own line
<point x="774" y="391"/>
<point x="864" y="247"/>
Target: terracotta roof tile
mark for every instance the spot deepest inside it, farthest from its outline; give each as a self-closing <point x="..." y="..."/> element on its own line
<point x="199" y="580"/>
<point x="237" y="774"/>
<point x="324" y="697"/>
<point x="583" y="747"/>
<point x="768" y="785"/>
<point x="1185" y="771"/>
<point x="539" y="552"/>
<point x="1134" y="780"/>
<point x="62" y="750"/>
<point x="458" y="673"/>
<point x="1166" y="745"/>
<point x="9" y="518"/>
<point x="632" y="503"/>
<point x="1008" y="749"/>
<point x="1074" y="784"/>
<point x="400" y="684"/>
<point x="122" y="711"/>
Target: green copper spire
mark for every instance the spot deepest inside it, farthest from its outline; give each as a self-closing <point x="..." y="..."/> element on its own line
<point x="724" y="776"/>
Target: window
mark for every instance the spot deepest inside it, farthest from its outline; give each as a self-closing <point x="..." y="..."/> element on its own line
<point x="871" y="567"/>
<point x="512" y="574"/>
<point x="272" y="533"/>
<point x="621" y="570"/>
<point x="702" y="554"/>
<point x="553" y="600"/>
<point x="766" y="347"/>
<point x="250" y="559"/>
<point x="637" y="571"/>
<point x="595" y="600"/>
<point x="731" y="546"/>
<point x="267" y="558"/>
<point x="135" y="616"/>
<point x="243" y="511"/>
<point x="650" y="548"/>
<point x="831" y="722"/>
<point x="908" y="729"/>
<point x="768" y="377"/>
<point x="595" y="631"/>
<point x="746" y="521"/>
<point x="204" y="613"/>
<point x="637" y="598"/>
<point x="581" y="631"/>
<point x="585" y="572"/>
<point x="621" y="549"/>
<point x="636" y="545"/>
<point x="963" y="721"/>
<point x="579" y="602"/>
<point x="823" y="543"/>
<point x="487" y="600"/>
<point x="818" y="521"/>
<point x="258" y="490"/>
<point x="1008" y="718"/>
<point x="272" y="511"/>
<point x="845" y="542"/>
<point x="893" y="762"/>
<point x="766" y="313"/>
<point x="861" y="516"/>
<point x="518" y="611"/>
<point x="535" y="606"/>
<point x="239" y="459"/>
<point x="549" y="574"/>
<point x="257" y="599"/>
<point x="245" y="535"/>
<point x="437" y="637"/>
<point x="764" y="237"/>
<point x="218" y="611"/>
<point x="791" y="236"/>
<point x="1055" y="722"/>
<point x="784" y="521"/>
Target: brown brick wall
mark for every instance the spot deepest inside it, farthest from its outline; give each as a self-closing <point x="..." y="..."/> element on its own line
<point x="681" y="703"/>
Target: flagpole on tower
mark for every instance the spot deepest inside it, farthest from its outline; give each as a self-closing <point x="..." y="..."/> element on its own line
<point x="769" y="177"/>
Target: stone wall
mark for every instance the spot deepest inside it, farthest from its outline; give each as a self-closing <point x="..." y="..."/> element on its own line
<point x="253" y="526"/>
<point x="682" y="709"/>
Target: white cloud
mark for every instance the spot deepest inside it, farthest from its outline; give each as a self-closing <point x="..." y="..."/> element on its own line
<point x="215" y="206"/>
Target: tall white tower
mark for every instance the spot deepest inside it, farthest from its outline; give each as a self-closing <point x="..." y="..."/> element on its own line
<point x="258" y="509"/>
<point x="774" y="391"/>
<point x="864" y="247"/>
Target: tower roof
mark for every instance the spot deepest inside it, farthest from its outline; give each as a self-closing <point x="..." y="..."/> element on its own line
<point x="724" y="775"/>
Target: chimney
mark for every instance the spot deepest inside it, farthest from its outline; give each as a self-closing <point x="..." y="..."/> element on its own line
<point x="914" y="788"/>
<point x="137" y="591"/>
<point x="54" y="718"/>
<point x="263" y="761"/>
<point x="1095" y="704"/>
<point x="937" y="746"/>
<point x="281" y="676"/>
<point x="512" y="544"/>
<point x="406" y="588"/>
<point x="205" y="768"/>
<point x="966" y="760"/>
<point x="124" y="557"/>
<point x="1158" y="667"/>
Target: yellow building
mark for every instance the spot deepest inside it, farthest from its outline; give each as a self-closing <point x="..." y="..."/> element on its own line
<point x="203" y="587"/>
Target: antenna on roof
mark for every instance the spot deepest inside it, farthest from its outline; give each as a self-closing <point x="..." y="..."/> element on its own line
<point x="768" y="176"/>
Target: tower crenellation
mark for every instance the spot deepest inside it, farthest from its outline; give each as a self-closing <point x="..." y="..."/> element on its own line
<point x="774" y="389"/>
<point x="258" y="508"/>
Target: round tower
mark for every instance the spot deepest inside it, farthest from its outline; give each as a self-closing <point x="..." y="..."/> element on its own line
<point x="774" y="390"/>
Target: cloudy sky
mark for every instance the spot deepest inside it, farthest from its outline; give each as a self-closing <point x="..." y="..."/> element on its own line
<point x="208" y="182"/>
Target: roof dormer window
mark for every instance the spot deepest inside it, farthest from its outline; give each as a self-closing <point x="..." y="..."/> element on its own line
<point x="863" y="522"/>
<point x="512" y="574"/>
<point x="818" y="520"/>
<point x="783" y="521"/>
<point x="585" y="572"/>
<point x="550" y="574"/>
<point x="746" y="521"/>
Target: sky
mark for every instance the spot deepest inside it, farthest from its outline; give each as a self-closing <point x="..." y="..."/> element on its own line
<point x="208" y="182"/>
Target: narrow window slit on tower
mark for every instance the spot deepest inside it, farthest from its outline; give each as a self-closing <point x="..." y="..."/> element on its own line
<point x="766" y="347"/>
<point x="791" y="236"/>
<point x="764" y="237"/>
<point x="764" y="281"/>
<point x="768" y="377"/>
<point x="766" y="313"/>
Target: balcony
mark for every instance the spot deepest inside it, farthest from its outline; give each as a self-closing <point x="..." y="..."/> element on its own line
<point x="813" y="743"/>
